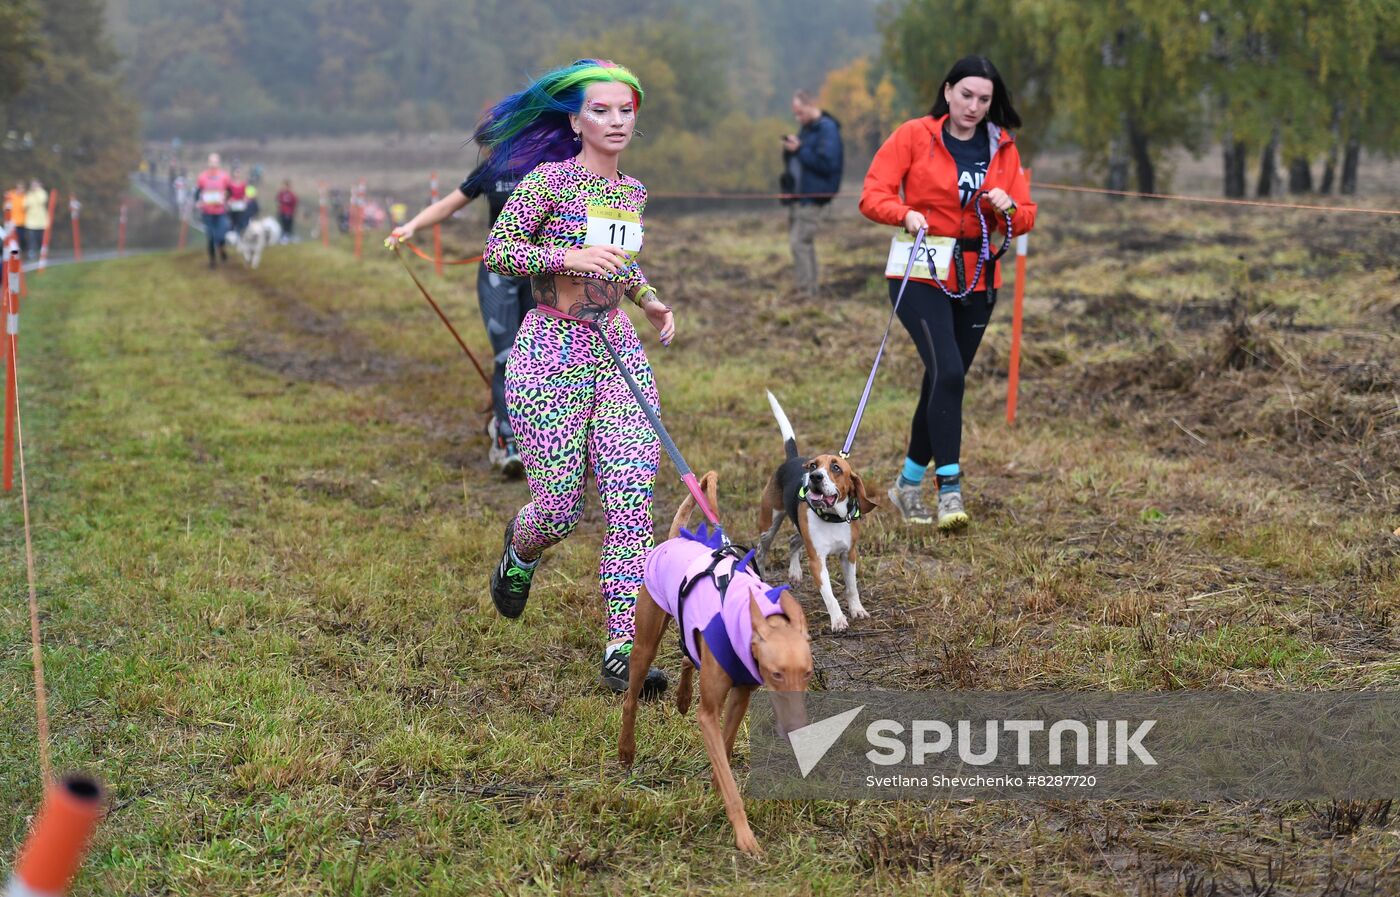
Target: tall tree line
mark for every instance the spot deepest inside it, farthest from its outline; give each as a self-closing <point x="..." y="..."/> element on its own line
<point x="259" y="67"/>
<point x="66" y="119"/>
<point x="1304" y="85"/>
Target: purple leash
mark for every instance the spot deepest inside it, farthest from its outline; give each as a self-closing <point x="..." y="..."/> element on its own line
<point x="870" y="381"/>
<point x="984" y="254"/>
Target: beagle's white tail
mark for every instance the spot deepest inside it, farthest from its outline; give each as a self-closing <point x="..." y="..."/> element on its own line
<point x="784" y="425"/>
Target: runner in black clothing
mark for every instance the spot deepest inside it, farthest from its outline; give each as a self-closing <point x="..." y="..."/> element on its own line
<point x="504" y="302"/>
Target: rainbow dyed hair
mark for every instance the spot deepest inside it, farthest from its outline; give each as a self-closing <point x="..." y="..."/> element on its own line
<point x="532" y="126"/>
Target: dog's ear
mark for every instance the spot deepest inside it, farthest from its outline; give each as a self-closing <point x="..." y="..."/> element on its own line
<point x="862" y="500"/>
<point x="793" y="611"/>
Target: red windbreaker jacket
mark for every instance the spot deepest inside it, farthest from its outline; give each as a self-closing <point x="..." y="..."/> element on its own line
<point x="915" y="159"/>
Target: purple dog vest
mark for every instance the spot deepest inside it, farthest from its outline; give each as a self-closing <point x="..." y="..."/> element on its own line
<point x="707" y="590"/>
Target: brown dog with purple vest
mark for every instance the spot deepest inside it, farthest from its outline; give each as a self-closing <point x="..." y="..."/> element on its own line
<point x="739" y="631"/>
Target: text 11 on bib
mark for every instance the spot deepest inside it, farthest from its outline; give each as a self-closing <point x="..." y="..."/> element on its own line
<point x="614" y="227"/>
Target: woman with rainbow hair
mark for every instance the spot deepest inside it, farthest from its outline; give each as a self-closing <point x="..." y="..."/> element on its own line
<point x="574" y="227"/>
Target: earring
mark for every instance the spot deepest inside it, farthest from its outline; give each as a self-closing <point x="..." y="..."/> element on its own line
<point x="578" y="138"/>
<point x="637" y="132"/>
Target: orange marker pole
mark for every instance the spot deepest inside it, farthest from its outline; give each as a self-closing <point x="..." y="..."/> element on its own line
<point x="437" y="231"/>
<point x="1013" y="377"/>
<point x="325" y="219"/>
<point x="121" y="231"/>
<point x="12" y="270"/>
<point x="48" y="231"/>
<point x="74" y="207"/>
<point x="56" y="845"/>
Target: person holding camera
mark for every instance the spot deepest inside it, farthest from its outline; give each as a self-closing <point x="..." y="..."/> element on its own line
<point x="812" y="162"/>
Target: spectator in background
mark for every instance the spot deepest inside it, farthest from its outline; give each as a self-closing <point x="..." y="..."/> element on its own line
<point x="14" y="215"/>
<point x="251" y="213"/>
<point x="813" y="158"/>
<point x="181" y="185"/>
<point x="373" y="215"/>
<point x="286" y="210"/>
<point x="36" y="216"/>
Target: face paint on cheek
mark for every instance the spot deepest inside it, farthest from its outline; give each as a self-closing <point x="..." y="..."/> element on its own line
<point x="603" y="119"/>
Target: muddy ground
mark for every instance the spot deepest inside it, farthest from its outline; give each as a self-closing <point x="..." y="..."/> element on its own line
<point x="1197" y="390"/>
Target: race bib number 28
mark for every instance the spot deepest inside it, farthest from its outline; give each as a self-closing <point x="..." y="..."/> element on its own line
<point x="614" y="227"/>
<point x="935" y="255"/>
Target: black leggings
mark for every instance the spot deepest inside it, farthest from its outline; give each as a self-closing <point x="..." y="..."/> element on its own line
<point x="504" y="303"/>
<point x="947" y="333"/>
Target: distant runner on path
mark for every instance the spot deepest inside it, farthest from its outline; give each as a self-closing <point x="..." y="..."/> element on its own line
<point x="238" y="200"/>
<point x="211" y="188"/>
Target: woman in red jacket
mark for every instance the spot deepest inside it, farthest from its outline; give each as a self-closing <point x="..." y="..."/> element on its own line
<point x="958" y="154"/>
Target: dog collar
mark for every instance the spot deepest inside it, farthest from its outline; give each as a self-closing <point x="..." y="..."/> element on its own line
<point x="852" y="509"/>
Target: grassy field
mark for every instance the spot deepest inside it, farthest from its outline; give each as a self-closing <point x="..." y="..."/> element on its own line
<point x="264" y="525"/>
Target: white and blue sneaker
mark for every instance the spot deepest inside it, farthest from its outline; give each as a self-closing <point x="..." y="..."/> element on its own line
<point x="503" y="454"/>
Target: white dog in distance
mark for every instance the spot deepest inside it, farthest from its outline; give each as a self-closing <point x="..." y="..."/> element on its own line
<point x="257" y="236"/>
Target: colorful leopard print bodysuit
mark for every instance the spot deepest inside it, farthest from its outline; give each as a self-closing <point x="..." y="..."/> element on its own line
<point x="568" y="404"/>
<point x="547" y="215"/>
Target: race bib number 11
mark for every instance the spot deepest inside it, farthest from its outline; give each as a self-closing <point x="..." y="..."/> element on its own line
<point x="936" y="253"/>
<point x="614" y="227"/>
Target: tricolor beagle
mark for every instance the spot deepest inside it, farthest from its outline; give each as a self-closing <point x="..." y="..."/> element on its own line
<point x="826" y="498"/>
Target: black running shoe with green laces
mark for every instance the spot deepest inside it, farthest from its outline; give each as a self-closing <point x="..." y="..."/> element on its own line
<point x="510" y="581"/>
<point x="617" y="671"/>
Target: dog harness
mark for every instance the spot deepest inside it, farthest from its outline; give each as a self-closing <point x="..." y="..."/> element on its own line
<point x="830" y="516"/>
<point x="692" y="578"/>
